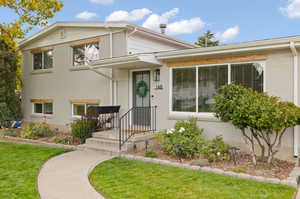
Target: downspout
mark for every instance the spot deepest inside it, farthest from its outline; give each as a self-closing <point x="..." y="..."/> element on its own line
<point x="295" y="63"/>
<point x="113" y="82"/>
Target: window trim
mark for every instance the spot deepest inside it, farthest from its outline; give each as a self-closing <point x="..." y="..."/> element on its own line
<point x="43" y="108"/>
<point x="85" y="108"/>
<point x="82" y="44"/>
<point x="208" y="115"/>
<point x="43" y="63"/>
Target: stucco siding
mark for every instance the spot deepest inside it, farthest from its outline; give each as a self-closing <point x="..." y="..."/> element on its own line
<point x="61" y="84"/>
<point x="279" y="82"/>
<point x="70" y="34"/>
<point x="119" y="44"/>
<point x="141" y="44"/>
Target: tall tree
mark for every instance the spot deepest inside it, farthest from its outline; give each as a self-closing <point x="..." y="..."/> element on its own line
<point x="207" y="40"/>
<point x="30" y="13"/>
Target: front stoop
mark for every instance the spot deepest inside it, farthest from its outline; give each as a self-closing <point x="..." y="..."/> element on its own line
<point x="107" y="142"/>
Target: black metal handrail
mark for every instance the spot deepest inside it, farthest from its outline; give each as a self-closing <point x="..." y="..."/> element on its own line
<point x="136" y="120"/>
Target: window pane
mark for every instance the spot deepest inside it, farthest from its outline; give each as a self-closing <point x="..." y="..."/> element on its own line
<point x="248" y="75"/>
<point x="48" y="59"/>
<point x="91" y="52"/>
<point x="79" y="109"/>
<point x="38" y="108"/>
<point x="210" y="79"/>
<point x="184" y="89"/>
<point x="48" y="108"/>
<point x="78" y="55"/>
<point x="37" y="61"/>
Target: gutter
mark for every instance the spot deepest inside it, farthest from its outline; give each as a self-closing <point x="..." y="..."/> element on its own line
<point x="296" y="77"/>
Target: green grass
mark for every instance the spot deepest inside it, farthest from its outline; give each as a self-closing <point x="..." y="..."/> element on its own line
<point x="127" y="179"/>
<point x="19" y="167"/>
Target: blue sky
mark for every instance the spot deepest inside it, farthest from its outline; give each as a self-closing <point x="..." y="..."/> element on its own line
<point x="232" y="20"/>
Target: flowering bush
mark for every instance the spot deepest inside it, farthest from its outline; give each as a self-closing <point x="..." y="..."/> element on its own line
<point x="35" y="130"/>
<point x="215" y="150"/>
<point x="185" y="140"/>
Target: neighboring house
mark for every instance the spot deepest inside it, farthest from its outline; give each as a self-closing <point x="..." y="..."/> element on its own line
<point x="70" y="66"/>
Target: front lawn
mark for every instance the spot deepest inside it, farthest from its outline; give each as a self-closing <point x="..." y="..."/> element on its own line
<point x="121" y="178"/>
<point x="19" y="167"/>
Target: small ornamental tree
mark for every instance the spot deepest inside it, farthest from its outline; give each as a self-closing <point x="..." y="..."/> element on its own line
<point x="262" y="119"/>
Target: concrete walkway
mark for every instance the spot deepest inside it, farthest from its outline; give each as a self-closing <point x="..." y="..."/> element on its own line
<point x="66" y="176"/>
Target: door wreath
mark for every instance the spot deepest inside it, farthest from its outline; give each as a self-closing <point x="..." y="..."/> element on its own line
<point x="142" y="89"/>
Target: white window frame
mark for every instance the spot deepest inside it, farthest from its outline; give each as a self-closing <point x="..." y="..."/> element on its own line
<point x="85" y="62"/>
<point x="209" y="115"/>
<point x="43" y="108"/>
<point x="43" y="63"/>
<point x="85" y="108"/>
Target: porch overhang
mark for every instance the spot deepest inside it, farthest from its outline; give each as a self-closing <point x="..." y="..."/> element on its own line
<point x="128" y="62"/>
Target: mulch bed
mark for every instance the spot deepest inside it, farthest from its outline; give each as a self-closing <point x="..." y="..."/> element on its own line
<point x="280" y="169"/>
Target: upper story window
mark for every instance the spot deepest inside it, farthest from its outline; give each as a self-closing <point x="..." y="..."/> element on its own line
<point x="193" y="88"/>
<point x="43" y="60"/>
<point x="83" y="54"/>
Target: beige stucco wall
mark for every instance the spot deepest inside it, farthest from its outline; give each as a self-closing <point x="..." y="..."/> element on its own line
<point x="61" y="84"/>
<point x="278" y="82"/>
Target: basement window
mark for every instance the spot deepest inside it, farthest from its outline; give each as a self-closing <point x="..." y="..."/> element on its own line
<point x="43" y="108"/>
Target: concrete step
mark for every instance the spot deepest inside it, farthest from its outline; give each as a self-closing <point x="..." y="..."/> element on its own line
<point x="88" y="147"/>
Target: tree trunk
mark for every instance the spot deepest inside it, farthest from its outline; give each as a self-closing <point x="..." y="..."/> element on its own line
<point x="250" y="142"/>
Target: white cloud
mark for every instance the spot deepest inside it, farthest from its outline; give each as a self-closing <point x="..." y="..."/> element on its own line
<point x="153" y="21"/>
<point x="185" y="26"/>
<point x="134" y="15"/>
<point x="86" y="15"/>
<point x="292" y="9"/>
<point x="229" y="34"/>
<point x="102" y="2"/>
<point x="175" y="28"/>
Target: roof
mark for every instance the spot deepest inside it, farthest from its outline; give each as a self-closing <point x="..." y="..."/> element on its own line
<point x="104" y="24"/>
<point x="142" y="60"/>
<point x="266" y="44"/>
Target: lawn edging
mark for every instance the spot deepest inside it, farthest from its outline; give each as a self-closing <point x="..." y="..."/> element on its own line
<point x="5" y="138"/>
<point x="288" y="182"/>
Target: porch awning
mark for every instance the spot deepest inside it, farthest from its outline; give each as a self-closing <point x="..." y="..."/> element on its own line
<point x="128" y="62"/>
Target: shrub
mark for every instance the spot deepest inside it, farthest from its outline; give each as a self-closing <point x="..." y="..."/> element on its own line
<point x="62" y="139"/>
<point x="215" y="150"/>
<point x="6" y="132"/>
<point x="151" y="154"/>
<point x="35" y="131"/>
<point x="239" y="170"/>
<point x="185" y="140"/>
<point x="82" y="129"/>
<point x="262" y="119"/>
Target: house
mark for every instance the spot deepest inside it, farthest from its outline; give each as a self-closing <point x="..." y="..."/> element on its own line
<point x="70" y="66"/>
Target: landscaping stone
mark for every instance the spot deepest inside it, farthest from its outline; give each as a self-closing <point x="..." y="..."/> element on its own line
<point x="200" y="163"/>
<point x="290" y="182"/>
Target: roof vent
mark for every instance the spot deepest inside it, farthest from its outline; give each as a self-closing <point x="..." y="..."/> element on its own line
<point x="163" y="28"/>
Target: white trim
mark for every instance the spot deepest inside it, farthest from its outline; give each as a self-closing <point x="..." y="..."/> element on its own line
<point x="85" y="108"/>
<point x="43" y="69"/>
<point x="205" y="115"/>
<point x="43" y="109"/>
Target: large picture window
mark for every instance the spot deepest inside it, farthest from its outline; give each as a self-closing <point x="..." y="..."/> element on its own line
<point x="184" y="86"/>
<point x="43" y="60"/>
<point x="193" y="88"/>
<point x="83" y="54"/>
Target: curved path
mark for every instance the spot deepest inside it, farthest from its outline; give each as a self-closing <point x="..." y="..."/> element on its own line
<point x="66" y="176"/>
